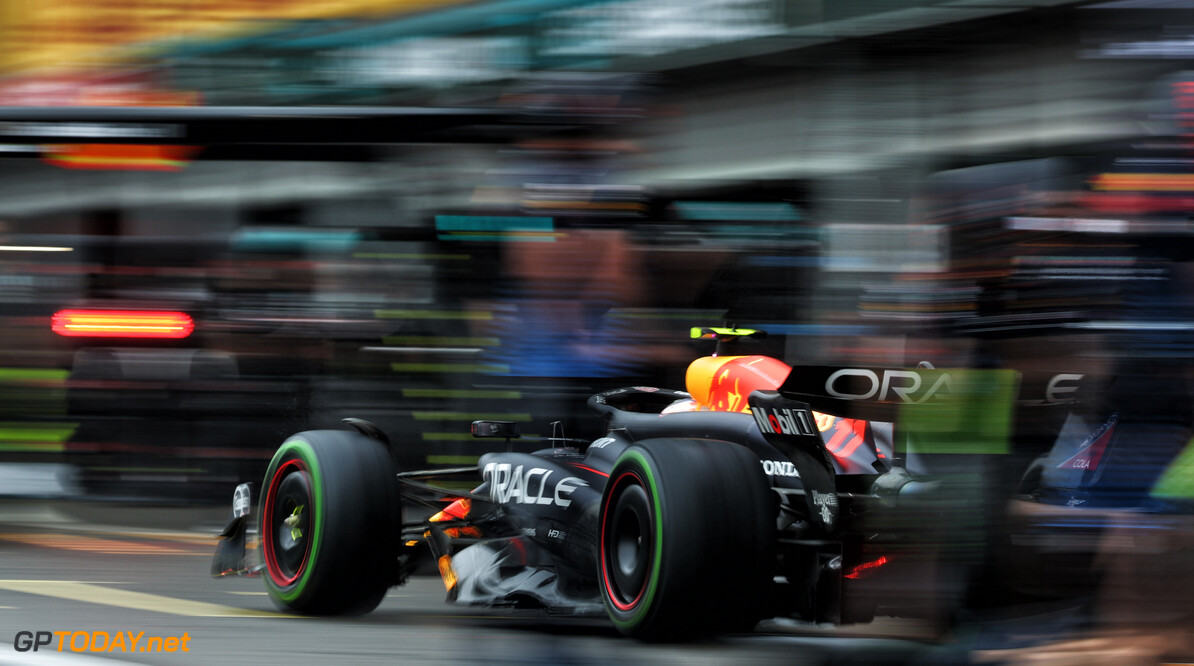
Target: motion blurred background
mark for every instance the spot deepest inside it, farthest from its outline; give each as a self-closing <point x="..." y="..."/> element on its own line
<point x="427" y="212"/>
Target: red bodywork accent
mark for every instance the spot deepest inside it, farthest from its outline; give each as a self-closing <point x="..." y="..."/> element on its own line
<point x="589" y="469"/>
<point x="1088" y="458"/>
<point x="848" y="435"/>
<point x="457" y="510"/>
<point x="723" y="383"/>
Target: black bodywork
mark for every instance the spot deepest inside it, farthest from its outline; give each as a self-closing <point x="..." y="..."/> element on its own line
<point x="847" y="536"/>
<point x="529" y="535"/>
<point x="551" y="499"/>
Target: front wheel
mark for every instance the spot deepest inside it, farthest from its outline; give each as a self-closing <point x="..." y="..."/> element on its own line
<point x="687" y="542"/>
<point x="330" y="523"/>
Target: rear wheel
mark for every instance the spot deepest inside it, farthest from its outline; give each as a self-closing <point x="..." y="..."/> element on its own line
<point x="687" y="542"/>
<point x="330" y="523"/>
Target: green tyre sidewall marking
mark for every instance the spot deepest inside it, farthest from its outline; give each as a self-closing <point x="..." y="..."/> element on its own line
<point x="644" y="606"/>
<point x="303" y="451"/>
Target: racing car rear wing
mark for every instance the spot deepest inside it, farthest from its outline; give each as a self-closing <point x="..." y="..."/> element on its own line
<point x="880" y="394"/>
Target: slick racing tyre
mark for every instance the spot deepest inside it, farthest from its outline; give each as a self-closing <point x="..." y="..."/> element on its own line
<point x="330" y="523"/>
<point x="687" y="539"/>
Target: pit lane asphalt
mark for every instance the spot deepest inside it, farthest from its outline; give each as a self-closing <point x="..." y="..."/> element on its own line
<point x="100" y="567"/>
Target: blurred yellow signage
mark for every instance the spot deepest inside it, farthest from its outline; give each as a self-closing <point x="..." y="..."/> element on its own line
<point x="41" y="33"/>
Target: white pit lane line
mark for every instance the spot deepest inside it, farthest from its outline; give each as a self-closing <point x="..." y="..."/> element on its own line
<point x="93" y="593"/>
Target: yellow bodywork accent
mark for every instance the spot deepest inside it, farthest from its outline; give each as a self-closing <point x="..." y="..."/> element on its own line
<point x="445" y="572"/>
<point x="699" y="378"/>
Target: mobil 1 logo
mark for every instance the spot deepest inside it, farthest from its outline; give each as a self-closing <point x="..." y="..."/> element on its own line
<point x="785" y="420"/>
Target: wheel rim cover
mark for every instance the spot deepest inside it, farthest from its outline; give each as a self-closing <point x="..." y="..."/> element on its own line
<point x="628" y="544"/>
<point x="288" y="530"/>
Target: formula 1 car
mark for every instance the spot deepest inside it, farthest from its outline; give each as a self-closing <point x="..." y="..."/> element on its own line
<point x="698" y="512"/>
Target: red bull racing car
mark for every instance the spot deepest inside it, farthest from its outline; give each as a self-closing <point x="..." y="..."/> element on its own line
<point x="698" y="512"/>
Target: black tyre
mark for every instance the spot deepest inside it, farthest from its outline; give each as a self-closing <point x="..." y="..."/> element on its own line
<point x="687" y="540"/>
<point x="330" y="523"/>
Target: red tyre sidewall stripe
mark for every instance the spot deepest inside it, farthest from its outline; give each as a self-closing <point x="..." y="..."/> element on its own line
<point x="268" y="535"/>
<point x="605" y="578"/>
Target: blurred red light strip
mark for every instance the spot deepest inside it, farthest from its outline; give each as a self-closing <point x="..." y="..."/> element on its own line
<point x="122" y="323"/>
<point x="858" y="571"/>
<point x="120" y="156"/>
<point x="1146" y="182"/>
